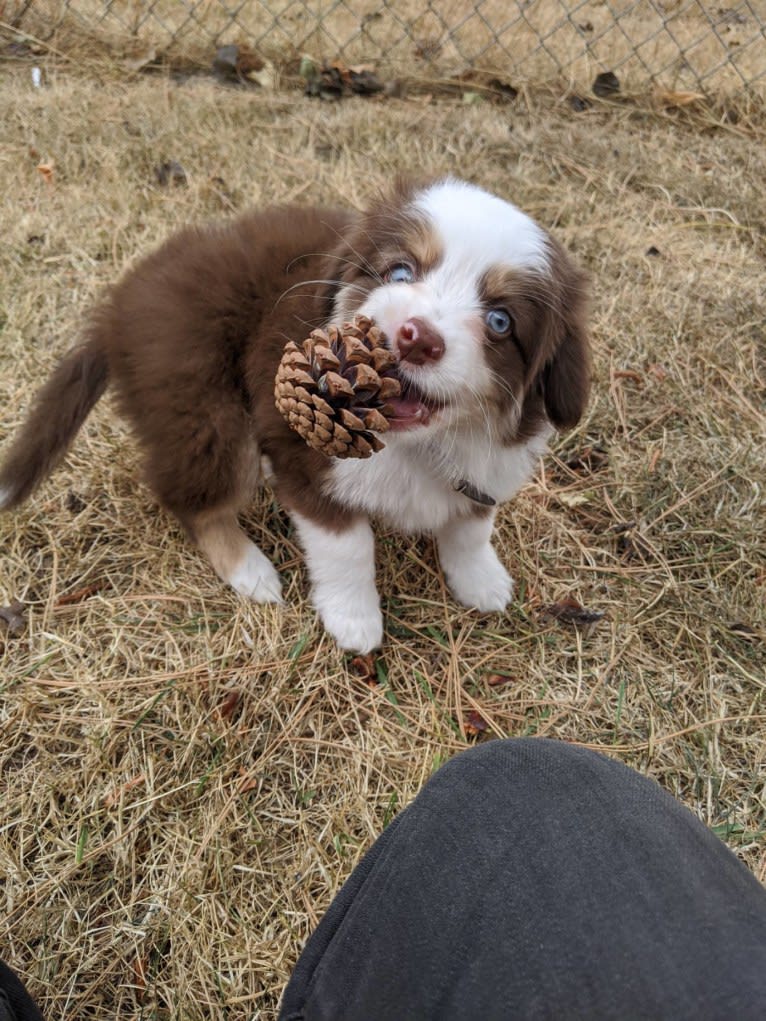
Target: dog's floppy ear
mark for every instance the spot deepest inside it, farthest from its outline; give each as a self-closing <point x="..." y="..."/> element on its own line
<point x="565" y="379"/>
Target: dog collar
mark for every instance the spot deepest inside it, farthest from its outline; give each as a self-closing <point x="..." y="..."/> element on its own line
<point x="474" y="493"/>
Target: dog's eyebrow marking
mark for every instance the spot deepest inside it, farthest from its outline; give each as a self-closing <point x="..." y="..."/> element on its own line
<point x="422" y="242"/>
<point x="500" y="284"/>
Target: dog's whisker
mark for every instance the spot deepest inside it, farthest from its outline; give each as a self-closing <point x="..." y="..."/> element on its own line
<point x="364" y="265"/>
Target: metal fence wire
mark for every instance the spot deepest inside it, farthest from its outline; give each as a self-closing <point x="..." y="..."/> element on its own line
<point x="674" y="44"/>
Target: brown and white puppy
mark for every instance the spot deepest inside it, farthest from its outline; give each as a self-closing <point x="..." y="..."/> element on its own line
<point x="483" y="309"/>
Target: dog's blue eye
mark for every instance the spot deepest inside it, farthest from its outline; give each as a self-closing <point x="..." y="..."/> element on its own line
<point x="499" y="321"/>
<point x="401" y="273"/>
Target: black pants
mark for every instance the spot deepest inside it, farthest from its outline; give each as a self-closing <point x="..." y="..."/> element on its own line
<point x="15" y="1002"/>
<point x="533" y="879"/>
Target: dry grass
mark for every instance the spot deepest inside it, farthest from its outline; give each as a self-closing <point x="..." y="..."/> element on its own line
<point x="188" y="779"/>
<point x="676" y="43"/>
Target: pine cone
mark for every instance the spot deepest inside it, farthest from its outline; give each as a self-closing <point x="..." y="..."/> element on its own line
<point x="333" y="389"/>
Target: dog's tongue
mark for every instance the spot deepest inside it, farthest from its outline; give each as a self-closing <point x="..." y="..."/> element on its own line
<point x="403" y="412"/>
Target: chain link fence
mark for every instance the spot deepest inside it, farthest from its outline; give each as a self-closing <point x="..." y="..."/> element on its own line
<point x="672" y="44"/>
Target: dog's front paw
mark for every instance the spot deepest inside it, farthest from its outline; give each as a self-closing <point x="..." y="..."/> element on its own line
<point x="356" y="631"/>
<point x="345" y="597"/>
<point x="353" y="619"/>
<point x="482" y="583"/>
<point x="256" y="578"/>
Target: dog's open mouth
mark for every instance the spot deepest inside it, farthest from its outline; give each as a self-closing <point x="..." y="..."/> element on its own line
<point x="413" y="407"/>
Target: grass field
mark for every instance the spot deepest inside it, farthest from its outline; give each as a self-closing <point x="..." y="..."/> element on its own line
<point x="188" y="779"/>
<point x="677" y="44"/>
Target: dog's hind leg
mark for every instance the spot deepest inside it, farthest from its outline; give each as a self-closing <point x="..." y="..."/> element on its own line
<point x="206" y="480"/>
<point x="235" y="559"/>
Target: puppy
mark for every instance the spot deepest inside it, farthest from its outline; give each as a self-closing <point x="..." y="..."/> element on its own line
<point x="484" y="311"/>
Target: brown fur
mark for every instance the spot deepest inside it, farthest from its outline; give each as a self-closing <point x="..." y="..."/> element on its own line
<point x="194" y="335"/>
<point x="547" y="358"/>
<point x="191" y="337"/>
<point x="546" y="363"/>
<point x="60" y="409"/>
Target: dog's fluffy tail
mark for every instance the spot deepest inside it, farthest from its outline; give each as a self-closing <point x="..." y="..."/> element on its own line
<point x="58" y="412"/>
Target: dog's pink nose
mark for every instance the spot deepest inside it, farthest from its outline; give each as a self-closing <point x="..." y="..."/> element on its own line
<point x="418" y="342"/>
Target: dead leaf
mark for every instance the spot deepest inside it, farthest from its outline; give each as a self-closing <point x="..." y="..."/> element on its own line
<point x="631" y="374"/>
<point x="140" y="59"/>
<point x="328" y="84"/>
<point x="228" y="704"/>
<point x="48" y="172"/>
<point x="364" y="82"/>
<point x="79" y="594"/>
<point x="334" y="80"/>
<point x="670" y="98"/>
<point x="265" y="76"/>
<point x="365" y="668"/>
<point x="234" y="63"/>
<point x="13" y="616"/>
<point x="606" y="84"/>
<point x="475" y="724"/>
<point x="573" y="500"/>
<point x="247" y="782"/>
<point x="339" y="66"/>
<point x="570" y="611"/>
<point x="497" y="680"/>
<point x="170" y="172"/>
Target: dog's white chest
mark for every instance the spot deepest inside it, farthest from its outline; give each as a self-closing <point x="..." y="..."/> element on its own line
<point x="394" y="487"/>
<point x="413" y="491"/>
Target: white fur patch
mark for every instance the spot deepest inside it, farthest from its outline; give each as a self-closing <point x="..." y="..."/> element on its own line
<point x="480" y="230"/>
<point x="6" y="493"/>
<point x="408" y="483"/>
<point x="256" y="578"/>
<point x="476" y="232"/>
<point x="474" y="573"/>
<point x="411" y="483"/>
<point x="341" y="567"/>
